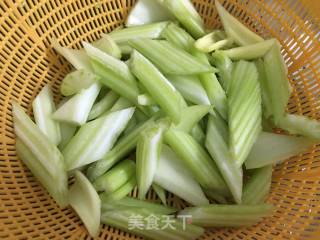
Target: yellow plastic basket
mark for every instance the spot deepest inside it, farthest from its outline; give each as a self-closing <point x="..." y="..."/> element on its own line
<point x="27" y="63"/>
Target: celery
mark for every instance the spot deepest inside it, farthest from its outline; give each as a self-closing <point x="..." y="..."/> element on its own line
<point x="235" y="29"/>
<point x="43" y="107"/>
<point x="108" y="45"/>
<point x="121" y="104"/>
<point x="187" y="15"/>
<point x="145" y="100"/>
<point x="213" y="195"/>
<point x="115" y="177"/>
<point x="227" y="215"/>
<point x="213" y="41"/>
<point x="196" y="158"/>
<point x="244" y="110"/>
<point x="161" y="193"/>
<point x="147" y="11"/>
<point x="67" y="132"/>
<point x="224" y="66"/>
<point x="257" y="188"/>
<point x="157" y="85"/>
<point x="169" y="58"/>
<point x="174" y="176"/>
<point x="219" y="151"/>
<point x="103" y="105"/>
<point x="131" y="125"/>
<point x="126" y="50"/>
<point x="273" y="148"/>
<point x="198" y="134"/>
<point x="77" y="80"/>
<point x="86" y="202"/>
<point x="76" y="109"/>
<point x="95" y="138"/>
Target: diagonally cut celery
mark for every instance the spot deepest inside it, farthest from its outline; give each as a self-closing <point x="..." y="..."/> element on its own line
<point x="213" y="195"/>
<point x="67" y="132"/>
<point x="103" y="105"/>
<point x="145" y="100"/>
<point x="121" y="104"/>
<point x="213" y="41"/>
<point x="95" y="138"/>
<point x="108" y="45"/>
<point x="43" y="107"/>
<point x="224" y="66"/>
<point x="161" y="193"/>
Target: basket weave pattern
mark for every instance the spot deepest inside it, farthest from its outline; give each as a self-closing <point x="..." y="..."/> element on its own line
<point x="27" y="63"/>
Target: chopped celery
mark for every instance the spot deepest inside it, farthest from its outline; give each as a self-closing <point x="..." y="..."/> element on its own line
<point x="85" y="201"/>
<point x="227" y="215"/>
<point x="76" y="109"/>
<point x="108" y="45"/>
<point x="43" y="107"/>
<point x="121" y="104"/>
<point x="235" y="29"/>
<point x="126" y="50"/>
<point x="147" y="11"/>
<point x="147" y="158"/>
<point x="103" y="105"/>
<point x="257" y="188"/>
<point x="131" y="125"/>
<point x="175" y="177"/>
<point x="77" y="80"/>
<point x="273" y="148"/>
<point x="224" y="66"/>
<point x="196" y="158"/>
<point x="161" y="193"/>
<point x="157" y="85"/>
<point x="67" y="132"/>
<point x="115" y="177"/>
<point x="152" y="31"/>
<point x="219" y="151"/>
<point x="198" y="134"/>
<point x="213" y="195"/>
<point x="187" y="15"/>
<point x="244" y="110"/>
<point x="213" y="41"/>
<point x="145" y="100"/>
<point x="169" y="58"/>
<point x="95" y="138"/>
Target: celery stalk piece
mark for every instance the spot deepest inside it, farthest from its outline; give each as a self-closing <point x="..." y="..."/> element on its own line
<point x="219" y="151"/>
<point x="115" y="177"/>
<point x="147" y="158"/>
<point x="227" y="215"/>
<point x="224" y="66"/>
<point x="131" y="125"/>
<point x="95" y="138"/>
<point x="67" y="132"/>
<point x="161" y="193"/>
<point x="215" y="40"/>
<point x="198" y="134"/>
<point x="196" y="158"/>
<point x="277" y="84"/>
<point x="145" y="100"/>
<point x="146" y="12"/>
<point x="56" y="184"/>
<point x="235" y="29"/>
<point x="213" y="195"/>
<point x="85" y="201"/>
<point x="108" y="45"/>
<point x="244" y="110"/>
<point x="103" y="105"/>
<point x="76" y="81"/>
<point x="190" y="88"/>
<point x="76" y="109"/>
<point x="157" y="85"/>
<point x="187" y="15"/>
<point x="126" y="50"/>
<point x="120" y="104"/>
<point x="256" y="190"/>
<point x="152" y="31"/>
<point x="250" y="52"/>
<point x="43" y="107"/>
<point x="124" y="146"/>
<point x="169" y="58"/>
<point x="273" y="148"/>
<point x="222" y="125"/>
<point x="175" y="177"/>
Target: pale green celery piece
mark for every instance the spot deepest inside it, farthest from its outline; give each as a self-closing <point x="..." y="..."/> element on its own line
<point x="124" y="146"/>
<point x="257" y="188"/>
<point x="271" y="148"/>
<point x="245" y="112"/>
<point x="76" y="109"/>
<point x="161" y="193"/>
<point x="120" y="193"/>
<point x="196" y="158"/>
<point x="76" y="81"/>
<point x="222" y="126"/>
<point x="130" y="202"/>
<point x="141" y="117"/>
<point x="250" y="52"/>
<point x="198" y="134"/>
<point x="157" y="85"/>
<point x="152" y="31"/>
<point x="190" y="88"/>
<point x="213" y="195"/>
<point x="147" y="158"/>
<point x="103" y="105"/>
<point x="224" y="66"/>
<point x="108" y="45"/>
<point x="43" y="107"/>
<point x="121" y="103"/>
<point x="187" y="15"/>
<point x="126" y="50"/>
<point x="219" y="151"/>
<point x="169" y="58"/>
<point x="131" y="125"/>
<point x="146" y="12"/>
<point x="85" y="201"/>
<point x="115" y="177"/>
<point x="95" y="138"/>
<point x="228" y="215"/>
<point x="145" y="100"/>
<point x="235" y="29"/>
<point x="67" y="132"/>
<point x="175" y="177"/>
<point x="56" y="184"/>
<point x="277" y="84"/>
<point x="215" y="40"/>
